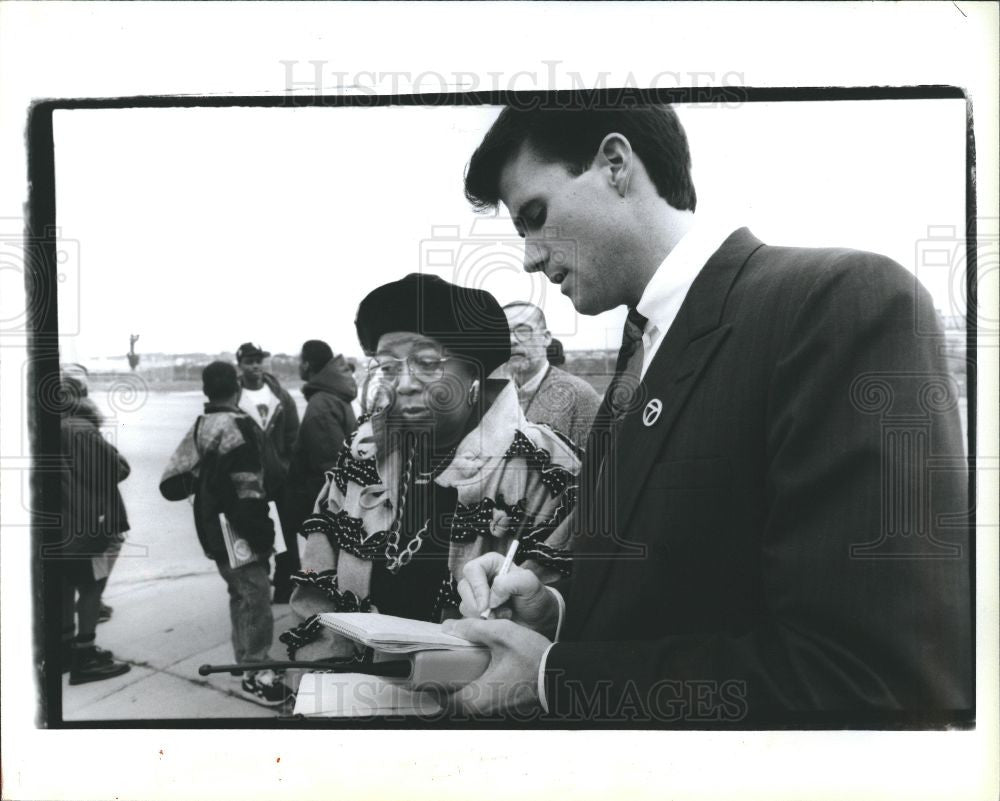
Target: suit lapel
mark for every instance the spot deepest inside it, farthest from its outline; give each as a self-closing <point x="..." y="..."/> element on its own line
<point x="686" y="351"/>
<point x="643" y="432"/>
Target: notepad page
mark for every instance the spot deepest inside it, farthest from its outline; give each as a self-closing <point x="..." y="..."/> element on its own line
<point x="390" y="632"/>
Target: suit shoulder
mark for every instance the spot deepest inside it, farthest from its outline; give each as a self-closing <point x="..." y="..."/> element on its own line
<point x="805" y="272"/>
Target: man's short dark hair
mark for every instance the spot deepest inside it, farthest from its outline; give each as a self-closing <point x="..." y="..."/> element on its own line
<point x="572" y="136"/>
<point x="219" y="381"/>
<point x="317" y="353"/>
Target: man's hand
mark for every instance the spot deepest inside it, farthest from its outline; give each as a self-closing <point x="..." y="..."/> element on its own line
<point x="511" y="680"/>
<point x="519" y="595"/>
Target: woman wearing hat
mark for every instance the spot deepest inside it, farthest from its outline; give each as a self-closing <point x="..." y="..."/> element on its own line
<point x="444" y="469"/>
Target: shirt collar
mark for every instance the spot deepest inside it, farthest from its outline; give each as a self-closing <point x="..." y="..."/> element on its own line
<point x="666" y="290"/>
<point x="535" y="381"/>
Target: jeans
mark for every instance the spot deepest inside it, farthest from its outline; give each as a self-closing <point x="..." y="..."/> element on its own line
<point x="249" y="610"/>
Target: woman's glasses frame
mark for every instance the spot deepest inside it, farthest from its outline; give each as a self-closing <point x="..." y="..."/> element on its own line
<point x="422" y="367"/>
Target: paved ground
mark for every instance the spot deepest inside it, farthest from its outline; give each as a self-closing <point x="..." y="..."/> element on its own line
<point x="171" y="609"/>
<point x="166" y="629"/>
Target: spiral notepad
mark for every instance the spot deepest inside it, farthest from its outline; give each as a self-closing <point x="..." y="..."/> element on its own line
<point x="391" y="634"/>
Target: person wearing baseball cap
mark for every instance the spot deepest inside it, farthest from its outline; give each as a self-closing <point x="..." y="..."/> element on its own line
<point x="272" y="408"/>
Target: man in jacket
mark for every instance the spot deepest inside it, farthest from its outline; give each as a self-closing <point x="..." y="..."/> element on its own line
<point x="770" y="523"/>
<point x="272" y="408"/>
<point x="547" y="394"/>
<point x="219" y="461"/>
<point x="328" y="420"/>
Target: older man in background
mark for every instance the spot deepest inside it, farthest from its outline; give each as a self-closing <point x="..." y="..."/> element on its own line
<point x="547" y="394"/>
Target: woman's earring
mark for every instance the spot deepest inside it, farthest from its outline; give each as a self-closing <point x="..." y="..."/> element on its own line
<point x="473" y="395"/>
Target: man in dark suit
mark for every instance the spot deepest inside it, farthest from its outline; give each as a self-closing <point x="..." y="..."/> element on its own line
<point x="772" y="514"/>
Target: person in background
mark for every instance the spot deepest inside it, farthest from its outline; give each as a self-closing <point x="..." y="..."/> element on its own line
<point x="271" y="407"/>
<point x="329" y="418"/>
<point x="555" y="353"/>
<point x="94" y="522"/>
<point x="547" y="393"/>
<point x="104" y="564"/>
<point x="220" y="462"/>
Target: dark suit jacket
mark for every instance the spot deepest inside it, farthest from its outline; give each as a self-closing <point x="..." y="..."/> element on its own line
<point x="789" y="534"/>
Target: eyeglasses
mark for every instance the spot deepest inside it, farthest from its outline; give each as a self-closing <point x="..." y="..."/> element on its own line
<point x="424" y="367"/>
<point x="523" y="332"/>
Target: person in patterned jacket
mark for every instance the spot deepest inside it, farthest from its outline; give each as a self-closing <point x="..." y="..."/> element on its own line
<point x="444" y="469"/>
<point x="220" y="463"/>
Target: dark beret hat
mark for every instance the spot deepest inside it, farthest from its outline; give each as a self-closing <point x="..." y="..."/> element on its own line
<point x="469" y="322"/>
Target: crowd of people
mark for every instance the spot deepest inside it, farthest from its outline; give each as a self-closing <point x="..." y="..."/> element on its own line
<point x="706" y="521"/>
<point x="256" y="471"/>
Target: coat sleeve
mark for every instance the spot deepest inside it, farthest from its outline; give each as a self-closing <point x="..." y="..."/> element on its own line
<point x="124" y="469"/>
<point x="290" y="423"/>
<point x="322" y="435"/>
<point x="249" y="511"/>
<point x="549" y="498"/>
<point x="584" y="412"/>
<point x="317" y="587"/>
<point x="843" y="632"/>
<point x="95" y="461"/>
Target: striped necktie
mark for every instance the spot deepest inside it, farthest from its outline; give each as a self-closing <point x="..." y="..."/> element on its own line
<point x="628" y="366"/>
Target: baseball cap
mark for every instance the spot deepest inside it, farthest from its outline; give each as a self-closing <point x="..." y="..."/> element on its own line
<point x="248" y="350"/>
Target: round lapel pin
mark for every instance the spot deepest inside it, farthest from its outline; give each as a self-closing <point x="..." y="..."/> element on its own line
<point x="652" y="412"/>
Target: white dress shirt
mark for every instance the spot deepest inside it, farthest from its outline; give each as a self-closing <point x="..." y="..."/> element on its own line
<point x="666" y="290"/>
<point x="659" y="304"/>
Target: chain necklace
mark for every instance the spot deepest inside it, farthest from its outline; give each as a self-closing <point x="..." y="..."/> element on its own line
<point x="394" y="559"/>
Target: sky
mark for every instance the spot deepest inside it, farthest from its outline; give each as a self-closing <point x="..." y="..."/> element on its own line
<point x="199" y="229"/>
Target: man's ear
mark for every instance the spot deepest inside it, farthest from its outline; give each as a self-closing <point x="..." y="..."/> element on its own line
<point x="547" y="337"/>
<point x="614" y="155"/>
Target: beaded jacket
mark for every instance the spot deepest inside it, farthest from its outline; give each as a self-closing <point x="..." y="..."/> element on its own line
<point x="507" y="478"/>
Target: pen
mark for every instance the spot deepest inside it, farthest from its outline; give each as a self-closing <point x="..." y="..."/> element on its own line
<point x="507" y="562"/>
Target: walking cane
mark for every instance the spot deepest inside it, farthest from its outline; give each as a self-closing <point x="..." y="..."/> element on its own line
<point x="396" y="669"/>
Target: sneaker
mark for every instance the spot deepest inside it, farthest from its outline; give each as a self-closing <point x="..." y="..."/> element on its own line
<point x="94" y="664"/>
<point x="105" y="614"/>
<point x="265" y="687"/>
